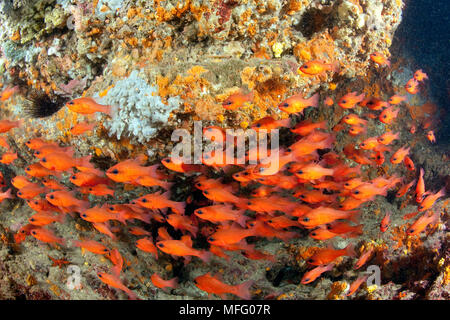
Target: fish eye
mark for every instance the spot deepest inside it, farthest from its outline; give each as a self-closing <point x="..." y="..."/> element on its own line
<point x="144" y="200"/>
<point x="307" y="280"/>
<point x="344" y="101"/>
<point x="251" y="224"/>
<point x="347" y="184"/>
<point x="270" y="221"/>
<point x="19" y="193"/>
<point x="44" y="160"/>
<point x="305" y="66"/>
<point x="74" y="177"/>
<point x="356" y="192"/>
<point x="160" y="245"/>
<point x="71" y="103"/>
<point x="311" y="260"/>
<point x="206" y="192"/>
<point x="32" y="219"/>
<point x="27" y="169"/>
<point x="289" y="150"/>
<point x="249" y="203"/>
<point x="211" y="239"/>
<point x="300" y="171"/>
<point x="99" y="275"/>
<point x="285" y="104"/>
<point x="33" y="232"/>
<point x="105" y="250"/>
<point x="305" y="219"/>
<point x="90" y="189"/>
<point x="38" y="152"/>
<point x="199" y="211"/>
<point x="410" y="230"/>
<point x="115" y="171"/>
<point x="340" y="206"/>
<point x="395" y="159"/>
<point x="314" y="234"/>
<point x="111" y="208"/>
<point x="385" y="116"/>
<point x="84" y="215"/>
<point x="363" y="144"/>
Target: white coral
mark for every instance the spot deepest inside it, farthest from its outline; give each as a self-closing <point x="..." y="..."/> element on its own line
<point x="139" y="111"/>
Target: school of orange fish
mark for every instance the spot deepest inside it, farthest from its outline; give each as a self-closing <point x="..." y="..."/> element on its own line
<point x="311" y="188"/>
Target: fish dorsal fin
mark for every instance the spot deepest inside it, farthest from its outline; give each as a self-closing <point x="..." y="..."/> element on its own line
<point x="187" y="240"/>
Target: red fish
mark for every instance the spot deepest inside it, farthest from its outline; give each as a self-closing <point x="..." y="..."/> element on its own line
<point x="379" y="59"/>
<point x="237" y="100"/>
<point x="315" y="273"/>
<point x="384" y="225"/>
<point x="213" y="284"/>
<point x="419" y="75"/>
<point x="428" y="202"/>
<point x="163" y="284"/>
<point x="316" y="67"/>
<point x="412" y="86"/>
<point x="350" y="100"/>
<point x="6" y="125"/>
<point x="296" y="103"/>
<point x="326" y="255"/>
<point x="422" y="222"/>
<point x="115" y="282"/>
<point x="88" y="106"/>
<point x="46" y="235"/>
<point x="388" y="115"/>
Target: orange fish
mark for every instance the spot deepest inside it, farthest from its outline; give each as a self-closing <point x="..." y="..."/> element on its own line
<point x="163" y="284"/>
<point x="221" y="213"/>
<point x="38" y="171"/>
<point x="315" y="273"/>
<point x="213" y="284"/>
<point x="404" y="189"/>
<point x="52" y="184"/>
<point x="47" y="149"/>
<point x="384" y="225"/>
<point x="160" y="200"/>
<point x="369" y="143"/>
<point x="81" y="128"/>
<point x="380" y="59"/>
<point x="422" y="222"/>
<point x="66" y="200"/>
<point x="129" y="170"/>
<point x="60" y="161"/>
<point x="344" y="228"/>
<point x="88" y="106"/>
<point x="350" y="100"/>
<point x="5" y="195"/>
<point x="237" y="100"/>
<point x="419" y="75"/>
<point x="396" y="99"/>
<point x="8" y="92"/>
<point x="409" y="164"/>
<point x="46" y="235"/>
<point x="229" y="235"/>
<point x="329" y="102"/>
<point x="324" y="215"/>
<point x="313" y="172"/>
<point x="296" y="103"/>
<point x="182" y="248"/>
<point x="374" y="104"/>
<point x="45" y="218"/>
<point x="420" y="188"/>
<point x="322" y="233"/>
<point x="6" y="125"/>
<point x="30" y="191"/>
<point x="137" y="231"/>
<point x="387" y="137"/>
<point x="388" y="115"/>
<point x="8" y="157"/>
<point x="115" y="282"/>
<point x="104" y="228"/>
<point x="304" y="128"/>
<point x="4" y="143"/>
<point x="356" y="284"/>
<point x="87" y="179"/>
<point x="316" y="67"/>
<point x="91" y="246"/>
<point x="327" y="255"/>
<point x="352" y="119"/>
<point x="357" y="130"/>
<point x="181" y="222"/>
<point x="379" y="158"/>
<point x="399" y="155"/>
<point x="268" y="123"/>
<point x="99" y="190"/>
<point x="431" y="137"/>
<point x="100" y="215"/>
<point x="412" y="86"/>
<point x="146" y="244"/>
<point x="368" y="191"/>
<point x="428" y="202"/>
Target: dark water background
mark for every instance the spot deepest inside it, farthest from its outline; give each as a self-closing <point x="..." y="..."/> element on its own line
<point x="423" y="38"/>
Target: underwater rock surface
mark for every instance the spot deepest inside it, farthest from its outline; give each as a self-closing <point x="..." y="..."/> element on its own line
<point x="163" y="64"/>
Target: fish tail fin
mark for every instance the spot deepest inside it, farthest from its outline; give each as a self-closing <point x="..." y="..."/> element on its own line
<point x="350" y="248"/>
<point x="8" y="194"/>
<point x="243" y="290"/>
<point x="354" y="216"/>
<point x="166" y="185"/>
<point x="314" y="100"/>
<point x="242" y="220"/>
<point x="286" y="123"/>
<point x="173" y="283"/>
<point x="179" y="207"/>
<point x="205" y="256"/>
